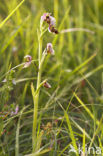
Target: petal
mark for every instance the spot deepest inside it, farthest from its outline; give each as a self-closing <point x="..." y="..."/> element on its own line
<point x="52" y="21"/>
<point x="14" y="82"/>
<point x="27" y="64"/>
<point x="5" y="80"/>
<point x="45" y="17"/>
<point x="16" y="109"/>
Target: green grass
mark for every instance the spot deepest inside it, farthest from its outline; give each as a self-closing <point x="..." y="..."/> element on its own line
<point x="70" y="113"/>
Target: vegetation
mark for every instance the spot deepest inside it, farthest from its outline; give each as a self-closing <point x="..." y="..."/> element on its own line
<point x="59" y="119"/>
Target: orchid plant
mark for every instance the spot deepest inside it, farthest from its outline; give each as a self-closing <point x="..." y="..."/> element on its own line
<point x="47" y="22"/>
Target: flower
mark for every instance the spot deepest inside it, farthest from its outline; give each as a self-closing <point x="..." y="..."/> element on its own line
<point x="52" y="29"/>
<point x="28" y="58"/>
<point x="16" y="111"/>
<point x="46" y="85"/>
<point x="51" y="21"/>
<point x="28" y="61"/>
<point x="46" y="18"/>
<point x="50" y="49"/>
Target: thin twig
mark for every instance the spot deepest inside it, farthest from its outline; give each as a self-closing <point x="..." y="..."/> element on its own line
<point x="76" y="29"/>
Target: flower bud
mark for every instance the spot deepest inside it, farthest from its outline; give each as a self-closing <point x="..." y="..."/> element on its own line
<point x="47" y="85"/>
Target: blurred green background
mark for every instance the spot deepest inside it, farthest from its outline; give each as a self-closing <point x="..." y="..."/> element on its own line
<point x="76" y="66"/>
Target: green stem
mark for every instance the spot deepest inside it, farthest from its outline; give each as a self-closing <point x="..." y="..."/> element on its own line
<point x="34" y="137"/>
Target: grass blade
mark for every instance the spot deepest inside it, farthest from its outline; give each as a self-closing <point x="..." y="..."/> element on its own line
<point x="4" y="21"/>
<point x="87" y="109"/>
<point x="71" y="132"/>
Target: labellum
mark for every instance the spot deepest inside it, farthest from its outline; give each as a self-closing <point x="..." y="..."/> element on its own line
<point x="53" y="29"/>
<point x="50" y="49"/>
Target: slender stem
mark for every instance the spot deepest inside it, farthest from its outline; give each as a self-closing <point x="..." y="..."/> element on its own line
<point x="17" y="134"/>
<point x="34" y="137"/>
<point x="40" y="56"/>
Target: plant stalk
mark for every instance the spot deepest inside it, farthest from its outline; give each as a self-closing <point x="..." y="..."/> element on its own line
<point x="34" y="135"/>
